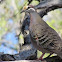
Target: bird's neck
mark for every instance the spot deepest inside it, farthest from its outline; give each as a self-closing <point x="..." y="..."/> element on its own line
<point x="33" y="18"/>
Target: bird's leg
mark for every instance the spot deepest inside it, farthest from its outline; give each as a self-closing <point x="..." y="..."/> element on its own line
<point x="41" y="58"/>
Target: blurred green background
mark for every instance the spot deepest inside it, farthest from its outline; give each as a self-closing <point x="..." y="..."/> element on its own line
<point x="10" y="17"/>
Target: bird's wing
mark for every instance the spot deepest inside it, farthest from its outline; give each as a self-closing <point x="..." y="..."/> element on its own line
<point x="50" y="40"/>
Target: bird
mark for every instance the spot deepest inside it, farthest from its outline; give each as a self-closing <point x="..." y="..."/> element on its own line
<point x="43" y="37"/>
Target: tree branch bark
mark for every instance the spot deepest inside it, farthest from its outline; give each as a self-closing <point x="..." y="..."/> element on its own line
<point x="48" y="5"/>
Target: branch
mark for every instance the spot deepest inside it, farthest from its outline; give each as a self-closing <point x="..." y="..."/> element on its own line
<point x="27" y="52"/>
<point x="26" y="61"/>
<point x="48" y="5"/>
<point x="1" y="1"/>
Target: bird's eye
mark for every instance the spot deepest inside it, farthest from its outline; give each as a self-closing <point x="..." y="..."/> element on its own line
<point x="28" y="8"/>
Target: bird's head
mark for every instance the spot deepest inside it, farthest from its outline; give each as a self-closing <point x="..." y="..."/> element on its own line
<point x="29" y="9"/>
